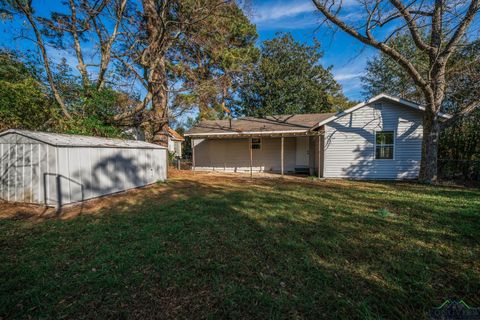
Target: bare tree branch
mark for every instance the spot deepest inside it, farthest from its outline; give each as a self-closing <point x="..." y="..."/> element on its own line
<point x="26" y="10"/>
<point x="462" y="28"/>
<point x="373" y="42"/>
<point x="78" y="49"/>
<point x="412" y="26"/>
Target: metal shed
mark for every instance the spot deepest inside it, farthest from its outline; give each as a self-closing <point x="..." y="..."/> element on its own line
<point x="56" y="169"/>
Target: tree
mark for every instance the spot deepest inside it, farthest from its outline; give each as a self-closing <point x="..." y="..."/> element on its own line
<point x="156" y="55"/>
<point x="91" y="101"/>
<point x="445" y="22"/>
<point x="289" y="79"/>
<point x="385" y="75"/>
<point x="212" y="60"/>
<point x="24" y="8"/>
<point x="85" y="20"/>
<point x="24" y="102"/>
<point x="458" y="146"/>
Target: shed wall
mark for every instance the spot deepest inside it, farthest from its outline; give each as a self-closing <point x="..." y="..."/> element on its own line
<point x="35" y="172"/>
<point x="350" y="145"/>
<point x="25" y="164"/>
<point x="86" y="173"/>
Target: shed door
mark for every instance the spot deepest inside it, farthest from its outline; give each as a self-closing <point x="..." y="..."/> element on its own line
<point x="301" y="155"/>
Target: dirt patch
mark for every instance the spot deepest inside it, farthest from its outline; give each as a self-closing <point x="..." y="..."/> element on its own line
<point x="179" y="184"/>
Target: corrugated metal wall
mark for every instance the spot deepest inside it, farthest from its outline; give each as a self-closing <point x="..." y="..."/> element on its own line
<point x="35" y="172"/>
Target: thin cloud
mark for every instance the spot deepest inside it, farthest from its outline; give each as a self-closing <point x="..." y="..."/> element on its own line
<point x="343" y="76"/>
<point x="271" y="12"/>
<point x="279" y="10"/>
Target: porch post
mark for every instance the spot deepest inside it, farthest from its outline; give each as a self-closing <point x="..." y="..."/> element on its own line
<point x="193" y="155"/>
<point x="281" y="153"/>
<point x="320" y="160"/>
<point x="311" y="155"/>
<point x="251" y="156"/>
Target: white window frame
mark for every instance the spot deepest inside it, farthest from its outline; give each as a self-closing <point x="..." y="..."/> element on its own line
<point x="259" y="143"/>
<point x="385" y="145"/>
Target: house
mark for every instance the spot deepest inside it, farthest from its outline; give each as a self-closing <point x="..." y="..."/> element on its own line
<point x="56" y="169"/>
<point x="377" y="139"/>
<point x="175" y="142"/>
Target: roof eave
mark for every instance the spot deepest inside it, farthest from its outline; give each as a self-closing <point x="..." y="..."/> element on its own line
<point x="247" y="133"/>
<point x="376" y="98"/>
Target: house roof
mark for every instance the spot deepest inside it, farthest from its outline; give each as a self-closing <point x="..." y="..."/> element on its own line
<point x="382" y="96"/>
<point x="300" y="123"/>
<point x="174" y="134"/>
<point x="249" y="125"/>
<point x="70" y="140"/>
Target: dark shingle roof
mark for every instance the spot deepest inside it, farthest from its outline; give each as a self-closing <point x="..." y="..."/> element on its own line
<point x="280" y="123"/>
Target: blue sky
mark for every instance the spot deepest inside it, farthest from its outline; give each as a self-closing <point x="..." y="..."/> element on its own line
<point x="345" y="54"/>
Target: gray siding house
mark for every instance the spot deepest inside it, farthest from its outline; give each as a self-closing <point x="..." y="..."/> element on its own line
<point x="377" y="139"/>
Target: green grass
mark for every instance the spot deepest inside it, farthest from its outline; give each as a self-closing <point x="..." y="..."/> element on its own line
<point x="229" y="248"/>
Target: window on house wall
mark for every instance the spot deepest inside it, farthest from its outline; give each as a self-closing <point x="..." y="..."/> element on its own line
<point x="384" y="144"/>
<point x="256" y="143"/>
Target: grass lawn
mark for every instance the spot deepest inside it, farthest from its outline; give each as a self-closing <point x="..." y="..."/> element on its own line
<point x="211" y="246"/>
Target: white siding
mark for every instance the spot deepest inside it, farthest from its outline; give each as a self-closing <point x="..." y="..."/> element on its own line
<point x="171" y="145"/>
<point x="350" y="144"/>
<point x="35" y="172"/>
<point x="175" y="147"/>
<point x="178" y="148"/>
<point x="233" y="155"/>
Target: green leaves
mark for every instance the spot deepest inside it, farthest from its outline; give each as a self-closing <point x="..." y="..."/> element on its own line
<point x="211" y="60"/>
<point x="24" y="101"/>
<point x="289" y="79"/>
<point x="23" y="105"/>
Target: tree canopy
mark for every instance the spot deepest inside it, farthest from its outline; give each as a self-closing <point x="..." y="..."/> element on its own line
<point x="134" y="63"/>
<point x="289" y="79"/>
<point x="459" y="146"/>
<point x="24" y="100"/>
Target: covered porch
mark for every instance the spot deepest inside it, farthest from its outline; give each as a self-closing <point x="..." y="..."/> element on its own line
<point x="280" y="153"/>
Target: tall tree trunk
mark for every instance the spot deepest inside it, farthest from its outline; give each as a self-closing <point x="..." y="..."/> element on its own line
<point x="106" y="45"/>
<point x="28" y="13"/>
<point x="431" y="133"/>
<point x="160" y="104"/>
<point x="153" y="59"/>
<point x="431" y="121"/>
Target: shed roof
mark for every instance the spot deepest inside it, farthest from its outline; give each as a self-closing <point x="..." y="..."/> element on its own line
<point x="70" y="140"/>
<point x="250" y="125"/>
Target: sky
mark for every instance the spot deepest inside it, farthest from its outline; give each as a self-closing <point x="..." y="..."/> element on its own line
<point x="346" y="55"/>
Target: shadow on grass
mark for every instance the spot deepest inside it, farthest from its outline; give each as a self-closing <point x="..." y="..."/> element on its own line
<point x="232" y="248"/>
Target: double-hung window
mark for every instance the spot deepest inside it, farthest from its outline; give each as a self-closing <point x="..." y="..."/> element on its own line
<point x="384" y="144"/>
